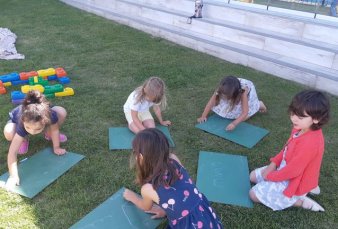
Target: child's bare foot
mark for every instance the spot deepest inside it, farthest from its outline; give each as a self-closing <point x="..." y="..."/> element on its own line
<point x="262" y="107"/>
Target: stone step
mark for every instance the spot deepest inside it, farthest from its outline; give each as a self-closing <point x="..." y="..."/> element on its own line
<point x="315" y="76"/>
<point x="301" y="49"/>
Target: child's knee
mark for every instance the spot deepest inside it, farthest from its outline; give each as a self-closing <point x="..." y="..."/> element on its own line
<point x="61" y="112"/>
<point x="9" y="131"/>
<point x="253" y="196"/>
<point x="253" y="178"/>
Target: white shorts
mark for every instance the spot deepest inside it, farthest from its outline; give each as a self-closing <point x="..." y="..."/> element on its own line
<point x="144" y="115"/>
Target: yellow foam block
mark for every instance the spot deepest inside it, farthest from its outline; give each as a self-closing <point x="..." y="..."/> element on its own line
<point x="46" y="72"/>
<point x="68" y="91"/>
<point x="7" y="84"/>
<point x="26" y="88"/>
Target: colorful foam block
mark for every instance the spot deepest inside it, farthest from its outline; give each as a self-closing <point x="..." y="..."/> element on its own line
<point x="49" y="96"/>
<point x="64" y="80"/>
<point x="53" y="77"/>
<point x="60" y="72"/>
<point x="53" y="89"/>
<point x="67" y="92"/>
<point x="26" y="75"/>
<point x="10" y="77"/>
<point x="17" y="101"/>
<point x="2" y="90"/>
<point x="46" y="72"/>
<point x="7" y="84"/>
<point x="27" y="88"/>
<point x="19" y="82"/>
<point x="37" y="80"/>
<point x="15" y="95"/>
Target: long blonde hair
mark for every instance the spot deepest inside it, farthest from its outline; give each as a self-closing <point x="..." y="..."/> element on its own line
<point x="157" y="88"/>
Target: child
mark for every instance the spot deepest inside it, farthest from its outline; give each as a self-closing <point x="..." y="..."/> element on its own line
<point x="235" y="98"/>
<point x="165" y="182"/>
<point x="136" y="108"/>
<point x="294" y="172"/>
<point x="32" y="117"/>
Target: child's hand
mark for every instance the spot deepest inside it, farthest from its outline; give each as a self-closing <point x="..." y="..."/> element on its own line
<point x="230" y="127"/>
<point x="165" y="123"/>
<point x="129" y="195"/>
<point x="12" y="182"/>
<point x="202" y="119"/>
<point x="59" y="151"/>
<point x="157" y="212"/>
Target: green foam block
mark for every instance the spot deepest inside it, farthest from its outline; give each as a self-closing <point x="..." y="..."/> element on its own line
<point x="116" y="212"/>
<point x="122" y="137"/>
<point x="244" y="134"/>
<point x="40" y="170"/>
<point x="224" y="178"/>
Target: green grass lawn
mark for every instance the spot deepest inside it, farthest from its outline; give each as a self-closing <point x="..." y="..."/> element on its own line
<point x="105" y="62"/>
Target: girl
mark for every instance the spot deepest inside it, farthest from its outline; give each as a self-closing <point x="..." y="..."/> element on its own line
<point x="235" y="98"/>
<point x="165" y="182"/>
<point x="136" y="108"/>
<point x="294" y="172"/>
<point x="32" y="117"/>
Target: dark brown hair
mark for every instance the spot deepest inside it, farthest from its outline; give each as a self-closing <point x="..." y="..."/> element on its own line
<point x="230" y="89"/>
<point x="312" y="103"/>
<point x="35" y="108"/>
<point x="153" y="145"/>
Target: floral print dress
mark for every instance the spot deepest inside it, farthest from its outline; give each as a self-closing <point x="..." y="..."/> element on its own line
<point x="184" y="205"/>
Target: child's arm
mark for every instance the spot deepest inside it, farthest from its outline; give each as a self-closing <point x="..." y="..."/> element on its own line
<point x="136" y="120"/>
<point x="12" y="159"/>
<point x="207" y="109"/>
<point x="158" y="114"/>
<point x="272" y="167"/>
<point x="54" y="134"/>
<point x="157" y="212"/>
<point x="145" y="202"/>
<point x="245" y="111"/>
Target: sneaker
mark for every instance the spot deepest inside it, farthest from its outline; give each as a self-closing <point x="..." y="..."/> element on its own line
<point x="315" y="191"/>
<point x="24" y="147"/>
<point x="62" y="137"/>
<point x="311" y="205"/>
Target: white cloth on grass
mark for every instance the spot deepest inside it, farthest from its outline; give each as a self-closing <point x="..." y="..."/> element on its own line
<point x="7" y="45"/>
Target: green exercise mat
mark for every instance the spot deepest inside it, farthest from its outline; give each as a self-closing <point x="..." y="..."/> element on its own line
<point x="244" y="134"/>
<point x="116" y="212"/>
<point x="40" y="170"/>
<point x="122" y="137"/>
<point x="224" y="178"/>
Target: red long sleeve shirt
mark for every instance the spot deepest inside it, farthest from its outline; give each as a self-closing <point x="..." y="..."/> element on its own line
<point x="303" y="160"/>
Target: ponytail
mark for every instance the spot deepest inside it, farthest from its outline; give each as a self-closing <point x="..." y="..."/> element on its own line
<point x="35" y="108"/>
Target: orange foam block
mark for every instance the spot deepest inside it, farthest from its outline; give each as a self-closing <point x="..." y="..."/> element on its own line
<point x="60" y="72"/>
<point x="26" y="75"/>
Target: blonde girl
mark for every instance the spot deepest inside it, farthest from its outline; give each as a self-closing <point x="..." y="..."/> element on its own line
<point x="136" y="109"/>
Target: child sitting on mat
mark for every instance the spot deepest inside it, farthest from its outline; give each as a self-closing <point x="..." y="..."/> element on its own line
<point x="294" y="172"/>
<point x="166" y="182"/>
<point x="32" y="117"/>
<point x="136" y="108"/>
<point x="235" y="98"/>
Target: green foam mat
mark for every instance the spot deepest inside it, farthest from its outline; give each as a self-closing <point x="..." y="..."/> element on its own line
<point x="116" y="212"/>
<point x="40" y="170"/>
<point x="122" y="137"/>
<point x="244" y="134"/>
<point x="224" y="178"/>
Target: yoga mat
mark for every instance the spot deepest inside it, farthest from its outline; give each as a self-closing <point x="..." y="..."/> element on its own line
<point x="244" y="134"/>
<point x="224" y="178"/>
<point x="40" y="170"/>
<point x="116" y="212"/>
<point x="122" y="137"/>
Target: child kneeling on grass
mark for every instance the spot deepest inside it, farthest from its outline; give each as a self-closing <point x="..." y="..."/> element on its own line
<point x="166" y="182"/>
<point x="32" y="117"/>
<point x="294" y="172"/>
